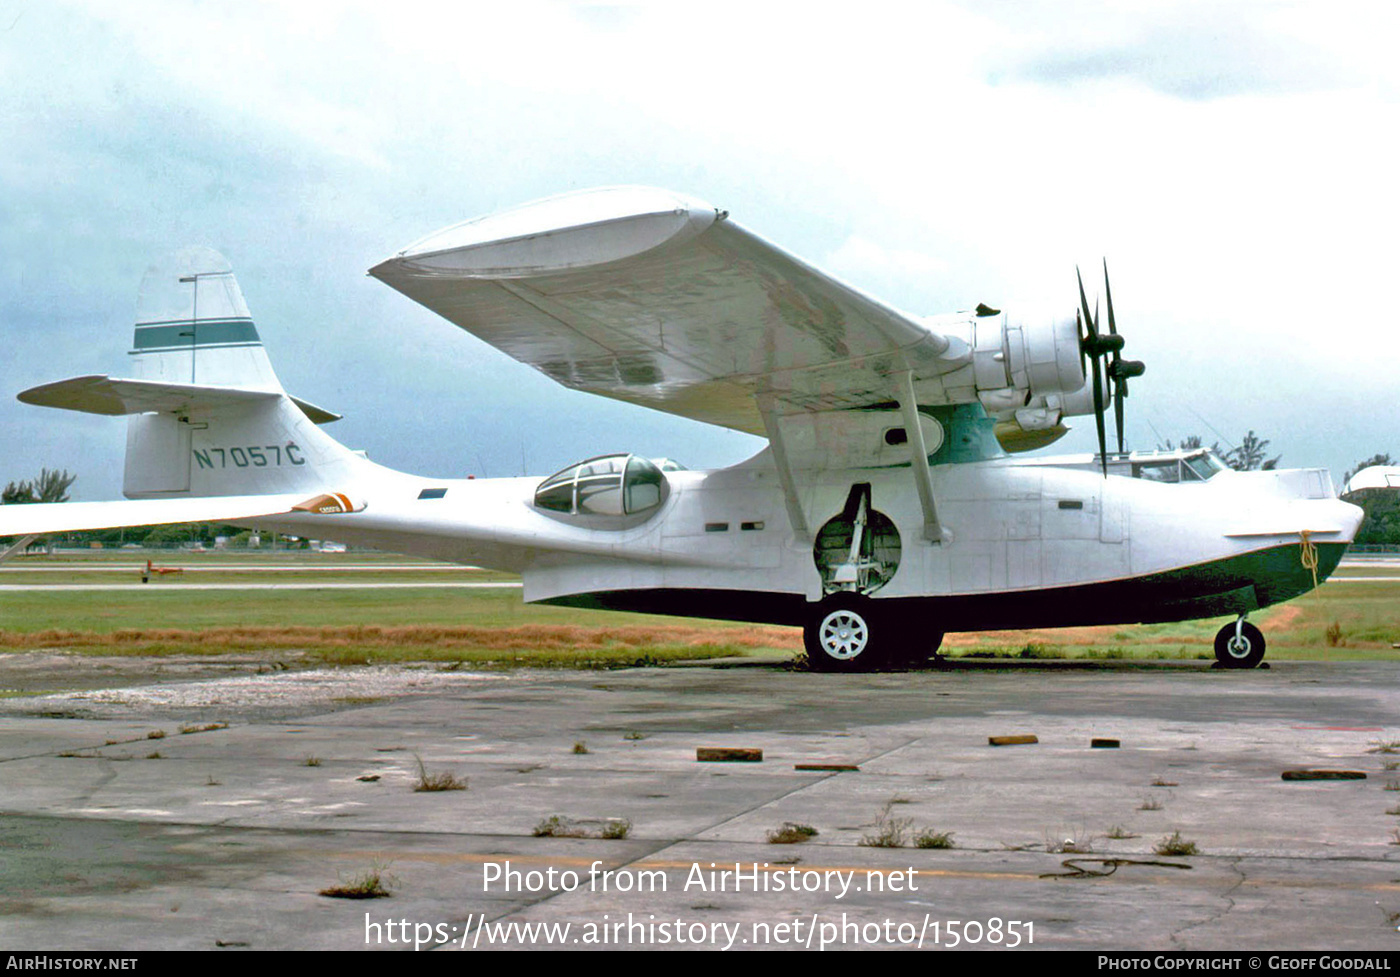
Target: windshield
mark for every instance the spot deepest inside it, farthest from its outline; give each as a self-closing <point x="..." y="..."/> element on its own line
<point x="1203" y="466"/>
<point x="1199" y="466"/>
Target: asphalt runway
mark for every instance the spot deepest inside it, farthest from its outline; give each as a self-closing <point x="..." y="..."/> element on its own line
<point x="120" y="831"/>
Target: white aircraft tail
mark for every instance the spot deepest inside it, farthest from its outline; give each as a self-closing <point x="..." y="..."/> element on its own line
<point x="192" y="326"/>
<point x="208" y="416"/>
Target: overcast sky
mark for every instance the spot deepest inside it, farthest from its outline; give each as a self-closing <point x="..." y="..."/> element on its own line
<point x="1235" y="163"/>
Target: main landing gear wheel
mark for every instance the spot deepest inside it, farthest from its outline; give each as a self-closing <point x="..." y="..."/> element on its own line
<point x="913" y="646"/>
<point x="1239" y="645"/>
<point x="843" y="634"/>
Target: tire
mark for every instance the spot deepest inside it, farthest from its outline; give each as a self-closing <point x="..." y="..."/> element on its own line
<point x="1247" y="651"/>
<point x="912" y="644"/>
<point x="846" y="634"/>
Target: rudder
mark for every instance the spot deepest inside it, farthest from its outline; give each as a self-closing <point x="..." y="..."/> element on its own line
<point x="193" y="326"/>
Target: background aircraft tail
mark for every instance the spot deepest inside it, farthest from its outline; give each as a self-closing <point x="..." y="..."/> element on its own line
<point x="208" y="416"/>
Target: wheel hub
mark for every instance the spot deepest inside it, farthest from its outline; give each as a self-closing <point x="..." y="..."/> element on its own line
<point x="843" y="635"/>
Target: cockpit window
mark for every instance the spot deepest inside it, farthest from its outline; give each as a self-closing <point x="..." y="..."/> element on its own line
<point x="1167" y="470"/>
<point x="613" y="485"/>
<point x="642" y="486"/>
<point x="1199" y="467"/>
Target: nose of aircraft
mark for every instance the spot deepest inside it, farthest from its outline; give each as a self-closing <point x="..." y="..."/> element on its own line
<point x="1302" y="542"/>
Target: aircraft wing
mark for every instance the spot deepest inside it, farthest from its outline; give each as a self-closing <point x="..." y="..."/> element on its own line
<point x="649" y="297"/>
<point x="36" y="519"/>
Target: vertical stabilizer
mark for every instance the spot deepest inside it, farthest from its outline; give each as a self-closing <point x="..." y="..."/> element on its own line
<point x="192" y="326"/>
<point x="194" y="332"/>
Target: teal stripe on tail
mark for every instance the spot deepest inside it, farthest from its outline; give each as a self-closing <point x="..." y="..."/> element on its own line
<point x="193" y="326"/>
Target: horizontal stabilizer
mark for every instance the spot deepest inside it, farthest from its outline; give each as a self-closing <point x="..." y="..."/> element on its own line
<point x="116" y="397"/>
<point x="318" y="415"/>
<point x="62" y="517"/>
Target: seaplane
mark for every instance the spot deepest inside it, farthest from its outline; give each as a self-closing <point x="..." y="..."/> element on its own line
<point x="892" y="504"/>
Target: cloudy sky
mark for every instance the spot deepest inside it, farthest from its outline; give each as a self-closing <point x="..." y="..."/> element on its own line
<point x="1235" y="163"/>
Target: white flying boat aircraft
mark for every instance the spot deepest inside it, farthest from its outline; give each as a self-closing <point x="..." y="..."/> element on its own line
<point x="884" y="512"/>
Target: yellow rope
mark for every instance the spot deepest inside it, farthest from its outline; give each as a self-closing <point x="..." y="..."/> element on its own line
<point x="1308" y="553"/>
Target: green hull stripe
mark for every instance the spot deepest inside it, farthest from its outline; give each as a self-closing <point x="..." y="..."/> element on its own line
<point x="187" y="335"/>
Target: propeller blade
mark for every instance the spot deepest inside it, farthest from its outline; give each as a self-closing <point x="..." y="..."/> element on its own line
<point x="1098" y="414"/>
<point x="1120" y="390"/>
<point x="1095" y="346"/>
<point x="1083" y="345"/>
<point x="1084" y="306"/>
<point x="1116" y="369"/>
<point x="1108" y="294"/>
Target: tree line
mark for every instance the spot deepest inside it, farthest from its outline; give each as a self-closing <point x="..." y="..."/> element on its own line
<point x="53" y="486"/>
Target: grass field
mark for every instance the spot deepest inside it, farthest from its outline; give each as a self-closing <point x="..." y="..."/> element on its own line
<point x="490" y="627"/>
<point x="1340" y="621"/>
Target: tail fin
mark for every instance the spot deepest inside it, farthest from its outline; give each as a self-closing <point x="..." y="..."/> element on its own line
<point x="208" y="416"/>
<point x="192" y="326"/>
<point x="242" y="447"/>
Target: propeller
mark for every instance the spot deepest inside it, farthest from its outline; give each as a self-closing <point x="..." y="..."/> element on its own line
<point x="1095" y="346"/>
<point x="1120" y="369"/>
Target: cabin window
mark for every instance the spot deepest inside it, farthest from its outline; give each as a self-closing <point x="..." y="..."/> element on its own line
<point x="613" y="485"/>
<point x="598" y="487"/>
<point x="557" y="492"/>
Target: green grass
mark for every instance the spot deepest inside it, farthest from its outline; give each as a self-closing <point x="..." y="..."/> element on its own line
<point x="435" y="782"/>
<point x="1367" y="615"/>
<point x="791" y="833"/>
<point x="928" y="838"/>
<point x="373" y="883"/>
<point x="1174" y="844"/>
<point x="198" y="574"/>
<point x="558" y="826"/>
<point x="483" y="629"/>
<point x="113" y="610"/>
<point x="494" y="628"/>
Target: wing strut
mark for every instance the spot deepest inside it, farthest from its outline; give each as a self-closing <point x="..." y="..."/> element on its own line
<point x="923" y="479"/>
<point x="796" y="517"/>
<point x="19" y="547"/>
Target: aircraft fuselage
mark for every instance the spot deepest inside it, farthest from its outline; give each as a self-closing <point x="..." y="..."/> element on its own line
<point x="1030" y="545"/>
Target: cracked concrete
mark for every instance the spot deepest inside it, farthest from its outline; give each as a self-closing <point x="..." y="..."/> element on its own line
<point x="227" y="838"/>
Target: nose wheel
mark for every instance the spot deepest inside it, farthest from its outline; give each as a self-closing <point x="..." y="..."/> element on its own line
<point x="1239" y="645"/>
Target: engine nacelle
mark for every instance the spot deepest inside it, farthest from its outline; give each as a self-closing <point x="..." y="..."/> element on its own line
<point x="1025" y="363"/>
